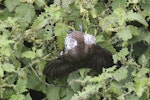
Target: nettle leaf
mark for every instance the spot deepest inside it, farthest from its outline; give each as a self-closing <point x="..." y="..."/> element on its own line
<point x="72" y="77"/>
<point x="143" y="60"/>
<point x="60" y="31"/>
<point x="109" y="23"/>
<point x="119" y="3"/>
<point x="53" y="93"/>
<point x="120" y="74"/>
<point x="115" y="88"/>
<point x="130" y="86"/>
<point x="8" y="67"/>
<point x="29" y="54"/>
<point x="39" y="52"/>
<point x="11" y="4"/>
<point x="41" y="21"/>
<point x="21" y="85"/>
<point x="132" y="97"/>
<point x="1" y="70"/>
<point x="25" y="12"/>
<point x="28" y="97"/>
<point x="125" y="33"/>
<point x="55" y="12"/>
<point x="140" y="85"/>
<point x="143" y="72"/>
<point x="6" y="51"/>
<point x="121" y="55"/>
<point x="132" y="16"/>
<point x="4" y="41"/>
<point x="17" y="97"/>
<point x="120" y="14"/>
<point x="93" y="13"/>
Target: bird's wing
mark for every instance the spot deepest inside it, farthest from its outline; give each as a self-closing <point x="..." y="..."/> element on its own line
<point x="58" y="67"/>
<point x="101" y="58"/>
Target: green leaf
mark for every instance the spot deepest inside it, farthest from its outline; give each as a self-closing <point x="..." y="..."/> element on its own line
<point x="41" y="21"/>
<point x="120" y="14"/>
<point x="72" y="77"/>
<point x="8" y="67"/>
<point x="132" y="16"/>
<point x="125" y="33"/>
<point x="55" y="12"/>
<point x="60" y="31"/>
<point x="119" y="3"/>
<point x="21" y="85"/>
<point x="143" y="60"/>
<point x="140" y="84"/>
<point x="6" y="51"/>
<point x="120" y="74"/>
<point x="27" y="97"/>
<point x="4" y="42"/>
<point x="39" y="52"/>
<point x="1" y="70"/>
<point x="115" y="88"/>
<point x="132" y="97"/>
<point x="17" y="97"/>
<point x="53" y="93"/>
<point x="11" y="4"/>
<point x="93" y="13"/>
<point x="124" y="52"/>
<point x="29" y="54"/>
<point x="25" y="13"/>
<point x="130" y="86"/>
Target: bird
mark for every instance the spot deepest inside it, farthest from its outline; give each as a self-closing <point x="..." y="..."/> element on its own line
<point x="81" y="51"/>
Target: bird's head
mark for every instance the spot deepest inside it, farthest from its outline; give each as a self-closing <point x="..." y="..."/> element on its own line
<point x="77" y="38"/>
<point x="78" y="45"/>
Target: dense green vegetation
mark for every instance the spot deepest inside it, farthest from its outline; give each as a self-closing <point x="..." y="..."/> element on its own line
<point x="32" y="32"/>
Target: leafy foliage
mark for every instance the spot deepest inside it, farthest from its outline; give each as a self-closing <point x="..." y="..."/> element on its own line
<point x="32" y="32"/>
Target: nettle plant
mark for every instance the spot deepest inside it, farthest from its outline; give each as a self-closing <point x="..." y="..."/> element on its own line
<point x="32" y="32"/>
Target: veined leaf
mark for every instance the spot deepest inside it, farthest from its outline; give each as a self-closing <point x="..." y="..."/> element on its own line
<point x="132" y="16"/>
<point x="29" y="54"/>
<point x="53" y="93"/>
<point x="21" y="85"/>
<point x="17" y="97"/>
<point x="60" y="32"/>
<point x="8" y="67"/>
<point x="1" y="70"/>
<point x="120" y="74"/>
<point x="11" y="4"/>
